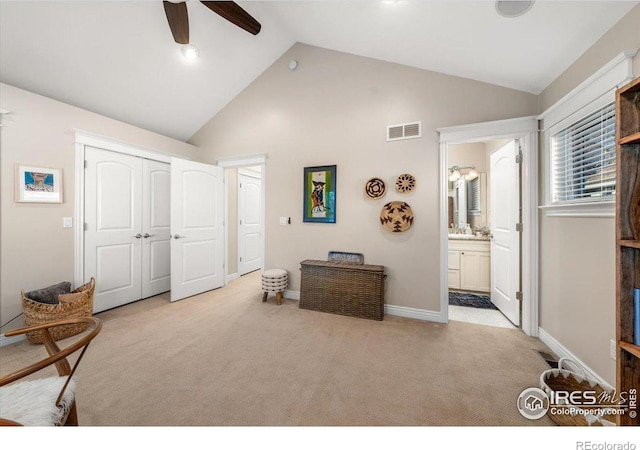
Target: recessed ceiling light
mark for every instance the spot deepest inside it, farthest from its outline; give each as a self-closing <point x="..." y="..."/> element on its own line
<point x="513" y="8"/>
<point x="190" y="51"/>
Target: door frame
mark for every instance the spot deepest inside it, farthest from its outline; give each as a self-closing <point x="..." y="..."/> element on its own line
<point x="85" y="139"/>
<point x="524" y="129"/>
<point x="237" y="162"/>
<point x="258" y="176"/>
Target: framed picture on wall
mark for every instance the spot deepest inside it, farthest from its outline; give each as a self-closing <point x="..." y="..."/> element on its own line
<point x="38" y="184"/>
<point x="319" y="194"/>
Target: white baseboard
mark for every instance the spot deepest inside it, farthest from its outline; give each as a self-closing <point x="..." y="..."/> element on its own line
<point x="391" y="310"/>
<point x="4" y="341"/>
<point x="232" y="276"/>
<point x="563" y="352"/>
<point x="412" y="313"/>
<point x="292" y="295"/>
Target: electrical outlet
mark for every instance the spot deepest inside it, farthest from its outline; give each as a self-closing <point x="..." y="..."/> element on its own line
<point x="612" y="349"/>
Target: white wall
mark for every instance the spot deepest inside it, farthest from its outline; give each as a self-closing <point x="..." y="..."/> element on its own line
<point x="36" y="251"/>
<point x="334" y="109"/>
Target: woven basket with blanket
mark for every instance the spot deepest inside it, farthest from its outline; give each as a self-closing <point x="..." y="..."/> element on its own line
<point x="76" y="303"/>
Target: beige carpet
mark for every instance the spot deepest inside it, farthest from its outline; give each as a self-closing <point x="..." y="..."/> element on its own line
<point x="226" y="358"/>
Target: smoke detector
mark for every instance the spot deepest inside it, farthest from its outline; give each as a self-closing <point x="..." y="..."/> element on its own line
<point x="513" y="8"/>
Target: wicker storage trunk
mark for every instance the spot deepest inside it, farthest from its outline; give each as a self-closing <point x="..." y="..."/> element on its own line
<point x="38" y="313"/>
<point x="349" y="289"/>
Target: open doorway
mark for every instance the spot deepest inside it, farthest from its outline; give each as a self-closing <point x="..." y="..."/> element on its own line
<point x="475" y="285"/>
<point x="244" y="218"/>
<point x="524" y="130"/>
<point x="244" y="214"/>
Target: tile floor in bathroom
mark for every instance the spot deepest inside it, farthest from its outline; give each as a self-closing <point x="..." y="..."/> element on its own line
<point x="489" y="317"/>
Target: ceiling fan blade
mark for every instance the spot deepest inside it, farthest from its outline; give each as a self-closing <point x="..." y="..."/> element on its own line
<point x="235" y="14"/>
<point x="178" y="21"/>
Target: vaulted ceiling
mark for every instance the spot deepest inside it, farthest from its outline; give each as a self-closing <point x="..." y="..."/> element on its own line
<point x="118" y="58"/>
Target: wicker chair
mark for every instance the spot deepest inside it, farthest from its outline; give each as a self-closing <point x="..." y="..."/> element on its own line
<point x="45" y="401"/>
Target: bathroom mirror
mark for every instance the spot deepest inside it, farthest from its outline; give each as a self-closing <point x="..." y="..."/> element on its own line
<point x="468" y="202"/>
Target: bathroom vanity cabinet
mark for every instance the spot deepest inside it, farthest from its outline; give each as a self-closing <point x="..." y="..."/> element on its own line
<point x="469" y="266"/>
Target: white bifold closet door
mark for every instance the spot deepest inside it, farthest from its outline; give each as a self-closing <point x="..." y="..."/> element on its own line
<point x="130" y="225"/>
<point x="113" y="227"/>
<point x="156" y="228"/>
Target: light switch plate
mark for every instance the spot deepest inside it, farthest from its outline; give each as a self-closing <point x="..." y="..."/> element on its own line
<point x="67" y="222"/>
<point x="284" y="220"/>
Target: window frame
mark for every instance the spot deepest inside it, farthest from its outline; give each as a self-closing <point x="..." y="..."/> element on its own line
<point x="593" y="93"/>
<point x="601" y="205"/>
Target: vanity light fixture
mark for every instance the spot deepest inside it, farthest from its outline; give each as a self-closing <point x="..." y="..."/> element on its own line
<point x="455" y="174"/>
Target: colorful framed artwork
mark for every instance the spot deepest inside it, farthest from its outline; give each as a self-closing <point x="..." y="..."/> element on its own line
<point x="319" y="194"/>
<point x="38" y="184"/>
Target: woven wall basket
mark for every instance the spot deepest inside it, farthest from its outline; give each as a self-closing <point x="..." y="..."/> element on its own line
<point x="375" y="188"/>
<point x="563" y="379"/>
<point x="36" y="313"/>
<point x="405" y="183"/>
<point x="396" y="217"/>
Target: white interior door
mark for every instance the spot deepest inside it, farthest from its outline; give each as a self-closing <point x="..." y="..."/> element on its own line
<point x="505" y="244"/>
<point x="197" y="247"/>
<point x="156" y="228"/>
<point x="250" y="225"/>
<point x="113" y="238"/>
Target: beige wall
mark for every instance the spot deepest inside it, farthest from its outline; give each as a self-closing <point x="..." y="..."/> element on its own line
<point x="577" y="255"/>
<point x="577" y="287"/>
<point x="36" y="251"/>
<point x="625" y="35"/>
<point x="473" y="154"/>
<point x="334" y="109"/>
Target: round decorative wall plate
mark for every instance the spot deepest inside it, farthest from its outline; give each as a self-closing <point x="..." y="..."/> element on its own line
<point x="396" y="217"/>
<point x="375" y="188"/>
<point x="405" y="183"/>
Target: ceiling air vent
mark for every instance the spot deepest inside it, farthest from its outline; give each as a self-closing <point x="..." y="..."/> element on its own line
<point x="403" y="131"/>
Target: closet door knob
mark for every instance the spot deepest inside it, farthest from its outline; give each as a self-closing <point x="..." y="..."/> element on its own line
<point x="137" y="236"/>
<point x="177" y="236"/>
<point x="147" y="235"/>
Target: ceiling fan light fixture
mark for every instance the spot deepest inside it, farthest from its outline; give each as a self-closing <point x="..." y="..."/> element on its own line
<point x="513" y="8"/>
<point x="190" y="51"/>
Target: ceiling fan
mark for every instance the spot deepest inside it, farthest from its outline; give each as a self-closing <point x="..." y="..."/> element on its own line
<point x="179" y="20"/>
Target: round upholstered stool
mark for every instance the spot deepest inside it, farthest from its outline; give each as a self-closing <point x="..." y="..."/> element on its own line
<point x="274" y="281"/>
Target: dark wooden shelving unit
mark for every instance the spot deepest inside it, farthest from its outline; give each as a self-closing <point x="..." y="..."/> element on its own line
<point x="627" y="238"/>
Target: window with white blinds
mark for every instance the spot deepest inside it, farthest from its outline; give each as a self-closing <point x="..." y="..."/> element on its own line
<point x="583" y="159"/>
